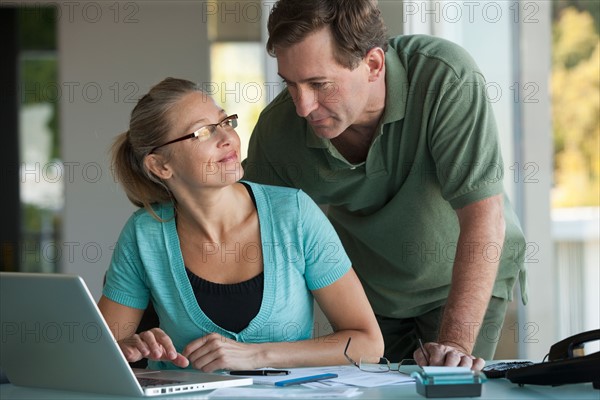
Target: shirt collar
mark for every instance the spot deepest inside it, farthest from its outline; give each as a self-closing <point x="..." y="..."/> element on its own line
<point x="396" y="86"/>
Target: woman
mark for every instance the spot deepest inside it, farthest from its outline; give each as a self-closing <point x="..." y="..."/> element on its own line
<point x="231" y="267"/>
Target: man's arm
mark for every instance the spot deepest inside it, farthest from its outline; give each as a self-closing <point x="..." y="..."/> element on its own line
<point x="476" y="263"/>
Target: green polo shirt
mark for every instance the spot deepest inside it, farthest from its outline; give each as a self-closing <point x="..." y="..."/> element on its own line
<point x="436" y="149"/>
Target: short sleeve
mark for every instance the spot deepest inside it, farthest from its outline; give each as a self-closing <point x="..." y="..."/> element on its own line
<point x="326" y="259"/>
<point x="125" y="278"/>
<point x="464" y="143"/>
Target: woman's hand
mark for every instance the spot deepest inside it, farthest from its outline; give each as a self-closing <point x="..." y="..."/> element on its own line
<point x="155" y="345"/>
<point x="213" y="352"/>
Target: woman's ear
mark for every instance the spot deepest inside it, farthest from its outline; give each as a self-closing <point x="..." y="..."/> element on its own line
<point x="375" y="59"/>
<point x="157" y="166"/>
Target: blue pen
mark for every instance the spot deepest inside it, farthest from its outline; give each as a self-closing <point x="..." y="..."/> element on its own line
<point x="305" y="379"/>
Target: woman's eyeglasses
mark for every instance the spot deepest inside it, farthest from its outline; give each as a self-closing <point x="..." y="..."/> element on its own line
<point x="405" y="366"/>
<point x="206" y="132"/>
<point x="383" y="365"/>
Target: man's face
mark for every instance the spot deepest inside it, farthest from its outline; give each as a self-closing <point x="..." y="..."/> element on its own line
<point x="330" y="96"/>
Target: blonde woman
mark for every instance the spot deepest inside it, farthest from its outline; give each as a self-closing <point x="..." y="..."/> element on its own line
<point x="231" y="267"/>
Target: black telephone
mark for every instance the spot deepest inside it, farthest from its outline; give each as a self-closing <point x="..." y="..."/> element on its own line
<point x="566" y="364"/>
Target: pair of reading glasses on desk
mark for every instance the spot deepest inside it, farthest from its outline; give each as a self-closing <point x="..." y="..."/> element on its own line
<point x="406" y="366"/>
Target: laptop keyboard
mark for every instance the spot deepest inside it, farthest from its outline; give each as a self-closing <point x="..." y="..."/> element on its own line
<point x="150" y="382"/>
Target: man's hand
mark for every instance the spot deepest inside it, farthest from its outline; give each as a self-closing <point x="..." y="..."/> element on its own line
<point x="447" y="355"/>
<point x="473" y="276"/>
<point x="155" y="345"/>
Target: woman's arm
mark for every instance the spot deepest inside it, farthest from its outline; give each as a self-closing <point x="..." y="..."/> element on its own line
<point x="345" y="305"/>
<point x="154" y="344"/>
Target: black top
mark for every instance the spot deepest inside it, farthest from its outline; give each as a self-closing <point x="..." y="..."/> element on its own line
<point x="231" y="306"/>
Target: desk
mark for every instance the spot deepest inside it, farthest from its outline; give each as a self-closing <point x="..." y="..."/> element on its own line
<point x="497" y="389"/>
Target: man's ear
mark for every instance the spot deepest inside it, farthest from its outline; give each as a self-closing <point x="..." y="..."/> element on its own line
<point x="375" y="60"/>
<point x="157" y="166"/>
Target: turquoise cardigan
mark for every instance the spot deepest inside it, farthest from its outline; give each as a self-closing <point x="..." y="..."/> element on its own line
<point x="301" y="253"/>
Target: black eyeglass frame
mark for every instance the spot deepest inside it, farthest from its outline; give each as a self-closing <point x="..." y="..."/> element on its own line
<point x="382" y="361"/>
<point x="211" y="127"/>
<point x="405" y="366"/>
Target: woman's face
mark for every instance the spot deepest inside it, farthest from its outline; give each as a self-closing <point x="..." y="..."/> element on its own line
<point x="210" y="160"/>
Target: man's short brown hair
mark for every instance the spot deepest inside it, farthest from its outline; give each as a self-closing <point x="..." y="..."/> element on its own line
<point x="356" y="26"/>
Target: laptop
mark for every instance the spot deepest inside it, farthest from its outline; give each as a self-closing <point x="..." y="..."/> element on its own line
<point x="54" y="336"/>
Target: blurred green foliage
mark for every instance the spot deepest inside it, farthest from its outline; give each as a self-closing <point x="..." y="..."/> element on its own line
<point x="39" y="66"/>
<point x="37" y="27"/>
<point x="38" y="83"/>
<point x="575" y="89"/>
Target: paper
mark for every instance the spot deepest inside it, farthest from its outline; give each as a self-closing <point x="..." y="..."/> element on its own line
<point x="305" y="379"/>
<point x="348" y="375"/>
<point x="260" y="393"/>
<point x="352" y="376"/>
<point x="447" y="370"/>
<point x="295" y="373"/>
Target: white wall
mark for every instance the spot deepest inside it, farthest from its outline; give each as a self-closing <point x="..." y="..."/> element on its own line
<point x="538" y="321"/>
<point x="110" y="54"/>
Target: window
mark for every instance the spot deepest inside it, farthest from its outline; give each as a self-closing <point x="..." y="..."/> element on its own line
<point x="237" y="83"/>
<point x="238" y="57"/>
<point x="575" y="197"/>
<point x="40" y="168"/>
<point x="576" y="104"/>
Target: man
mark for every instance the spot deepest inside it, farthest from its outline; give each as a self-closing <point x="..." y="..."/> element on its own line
<point x="397" y="138"/>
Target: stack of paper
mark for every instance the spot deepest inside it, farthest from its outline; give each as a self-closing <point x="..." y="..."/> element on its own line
<point x="347" y="375"/>
<point x="261" y="393"/>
